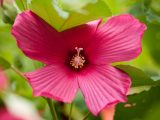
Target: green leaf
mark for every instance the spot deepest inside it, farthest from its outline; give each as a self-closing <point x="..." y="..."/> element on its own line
<point x="4" y="63"/>
<point x="76" y="5"/>
<point x="152" y="40"/>
<point x="120" y="6"/>
<point x="144" y="9"/>
<point x="139" y="77"/>
<point x="61" y="20"/>
<point x="21" y="4"/>
<point x="147" y="3"/>
<point x="152" y="17"/>
<point x="140" y="106"/>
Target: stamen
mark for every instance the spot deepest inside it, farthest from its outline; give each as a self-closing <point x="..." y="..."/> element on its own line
<point x="77" y="60"/>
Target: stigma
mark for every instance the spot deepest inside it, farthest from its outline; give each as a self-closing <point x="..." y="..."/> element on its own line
<point x="77" y="60"/>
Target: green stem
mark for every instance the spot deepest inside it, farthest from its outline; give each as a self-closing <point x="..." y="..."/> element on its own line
<point x="70" y="113"/>
<point x="86" y="116"/>
<point x="18" y="72"/>
<point x="52" y="108"/>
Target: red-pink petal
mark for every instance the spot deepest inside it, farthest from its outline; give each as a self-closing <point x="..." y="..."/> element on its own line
<point x="103" y="86"/>
<point x="3" y="81"/>
<point x="108" y="113"/>
<point x="55" y="82"/>
<point x="81" y="36"/>
<point x="37" y="39"/>
<point x="117" y="40"/>
<point x="5" y="115"/>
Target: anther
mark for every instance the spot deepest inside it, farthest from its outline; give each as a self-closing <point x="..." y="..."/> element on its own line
<point x="77" y="60"/>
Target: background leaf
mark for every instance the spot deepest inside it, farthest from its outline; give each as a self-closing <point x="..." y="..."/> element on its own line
<point x="139" y="78"/>
<point x="47" y="9"/>
<point x="139" y="106"/>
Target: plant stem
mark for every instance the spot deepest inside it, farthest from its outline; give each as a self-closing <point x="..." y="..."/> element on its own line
<point x="70" y="113"/>
<point x="18" y="72"/>
<point x="52" y="109"/>
<point x="86" y="116"/>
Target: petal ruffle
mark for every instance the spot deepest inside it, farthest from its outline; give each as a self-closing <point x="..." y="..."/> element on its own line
<point x="103" y="86"/>
<point x="117" y="40"/>
<point x="81" y="36"/>
<point x="54" y="82"/>
<point x="37" y="39"/>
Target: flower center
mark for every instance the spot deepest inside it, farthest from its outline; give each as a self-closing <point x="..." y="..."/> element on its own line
<point x="77" y="60"/>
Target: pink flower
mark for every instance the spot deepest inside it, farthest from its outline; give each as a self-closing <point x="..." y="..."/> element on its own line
<point x="5" y="115"/>
<point x="80" y="57"/>
<point x="3" y="81"/>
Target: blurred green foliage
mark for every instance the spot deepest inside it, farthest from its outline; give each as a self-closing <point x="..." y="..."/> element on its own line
<point x="146" y="70"/>
<point x="142" y="106"/>
<point x="4" y="63"/>
<point x="139" y="78"/>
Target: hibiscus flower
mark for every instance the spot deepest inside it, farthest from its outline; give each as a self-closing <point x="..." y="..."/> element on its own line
<point x="80" y="58"/>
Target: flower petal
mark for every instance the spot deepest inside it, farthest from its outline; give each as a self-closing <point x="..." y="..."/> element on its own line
<point x="103" y="86"/>
<point x="55" y="82"/>
<point x="108" y="113"/>
<point x="80" y="36"/>
<point x="37" y="39"/>
<point x="3" y="81"/>
<point x="117" y="40"/>
<point x="5" y="115"/>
